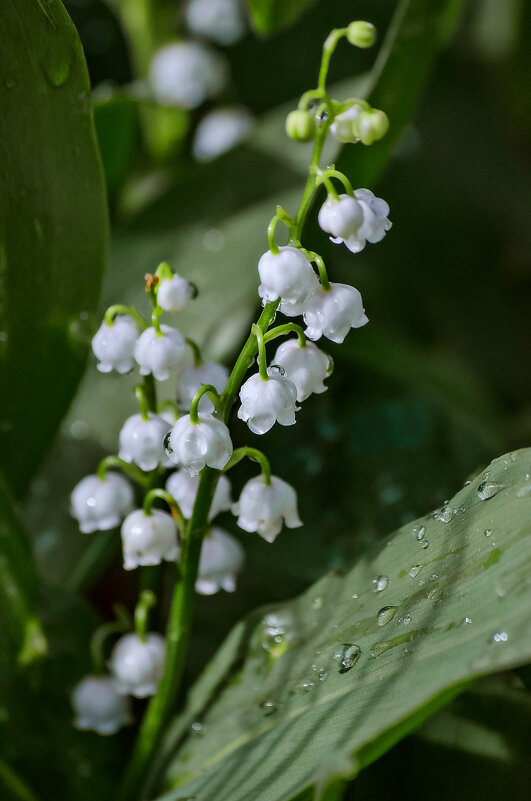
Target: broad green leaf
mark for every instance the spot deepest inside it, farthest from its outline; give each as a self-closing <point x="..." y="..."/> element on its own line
<point x="52" y="228"/>
<point x="270" y="15"/>
<point x="361" y="659"/>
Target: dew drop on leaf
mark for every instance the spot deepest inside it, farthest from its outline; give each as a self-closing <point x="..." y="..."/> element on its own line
<point x="488" y="489"/>
<point x="348" y="656"/>
<point x="380" y="583"/>
<point x="385" y="615"/>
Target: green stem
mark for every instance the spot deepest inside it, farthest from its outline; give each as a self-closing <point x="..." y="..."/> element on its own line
<point x="343" y="178"/>
<point x="142" y="401"/>
<point x="168" y="404"/>
<point x="15" y="787"/>
<point x="162" y="704"/>
<point x="286" y="328"/>
<point x="118" y="626"/>
<point x="150" y="391"/>
<point x="213" y="394"/>
<point x="165" y="496"/>
<point x="262" y="356"/>
<point x="131" y="470"/>
<point x="196" y="351"/>
<point x="323" y="275"/>
<point x="113" y="311"/>
<point x="256" y="456"/>
<point x="146" y="601"/>
<point x="328" y="49"/>
<point x="330" y="188"/>
<point x="280" y="216"/>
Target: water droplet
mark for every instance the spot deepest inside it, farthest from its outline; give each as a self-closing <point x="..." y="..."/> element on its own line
<point x="488" y="532"/>
<point x="213" y="240"/>
<point x="323" y="675"/>
<point x="348" y="656"/>
<point x="268" y="706"/>
<point x="317" y="602"/>
<point x="168" y="450"/>
<point x="488" y="489"/>
<point x="424" y="544"/>
<point x="57" y="63"/>
<point x="276" y="634"/>
<point x="91" y="501"/>
<point x="525" y="490"/>
<point x="407" y="620"/>
<point x="305" y="686"/>
<point x="385" y="615"/>
<point x="415" y="570"/>
<point x="10" y="82"/>
<point x="354" y="595"/>
<point x="500" y="636"/>
<point x="276" y="369"/>
<point x="466" y="483"/>
<point x="80" y="429"/>
<point x="444" y="515"/>
<point x="380" y="583"/>
<point x="421" y="532"/>
<point x="467" y="620"/>
<point x="197" y="728"/>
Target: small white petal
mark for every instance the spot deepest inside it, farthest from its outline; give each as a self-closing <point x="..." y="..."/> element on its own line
<point x="137" y="665"/>
<point x="220" y="131"/>
<point x="99" y="707"/>
<point x="148" y="539"/>
<point x="334" y="312"/>
<point x="307" y="367"/>
<point x="99" y="505"/>
<point x="288" y="275"/>
<point x="195" y="445"/>
<point x="267" y="402"/>
<point x="142" y="441"/>
<point x="186" y="74"/>
<point x="193" y="377"/>
<point x="264" y="508"/>
<point x="221" y="560"/>
<point x="114" y="345"/>
<point x="183" y="487"/>
<point x="174" y="294"/>
<point x="223" y="21"/>
<point x="160" y="355"/>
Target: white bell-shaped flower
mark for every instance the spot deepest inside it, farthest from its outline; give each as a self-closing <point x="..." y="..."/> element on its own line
<point x="101" y="504"/>
<point x="345" y="126"/>
<point x="194" y="445"/>
<point x="148" y="539"/>
<point x="333" y="313"/>
<point x="222" y="21"/>
<point x="265" y="508"/>
<point x="221" y="560"/>
<point x="114" y="345"/>
<point x="136" y="665"/>
<point x="160" y="355"/>
<point x="98" y="706"/>
<point x="221" y="130"/>
<point x="341" y="218"/>
<point x="355" y="221"/>
<point x="175" y="293"/>
<point x="142" y="441"/>
<point x="186" y="74"/>
<point x="193" y="377"/>
<point x="183" y="487"/>
<point x="288" y="275"/>
<point x="307" y="367"/>
<point x="265" y="403"/>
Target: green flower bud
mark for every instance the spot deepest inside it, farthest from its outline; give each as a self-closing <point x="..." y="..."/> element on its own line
<point x="361" y="33"/>
<point x="301" y="125"/>
<point x="372" y="126"/>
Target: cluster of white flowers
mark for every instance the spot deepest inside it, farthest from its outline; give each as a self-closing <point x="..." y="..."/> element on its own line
<point x="187" y="73"/>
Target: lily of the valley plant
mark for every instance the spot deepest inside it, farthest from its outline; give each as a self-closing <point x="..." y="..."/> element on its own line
<point x="179" y="451"/>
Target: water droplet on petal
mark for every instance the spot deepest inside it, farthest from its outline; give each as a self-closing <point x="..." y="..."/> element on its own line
<point x="385" y="615"/>
<point x="415" y="570"/>
<point x="348" y="656"/>
<point x="488" y="489"/>
<point x="444" y="515"/>
<point x="421" y="532"/>
<point x="380" y="583"/>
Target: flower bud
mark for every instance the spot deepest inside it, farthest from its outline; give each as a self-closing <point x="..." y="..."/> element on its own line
<point x="136" y="665"/>
<point x="183" y="487"/>
<point x="114" y="345"/>
<point x="288" y="275"/>
<point x="301" y="125"/>
<point x="221" y="130"/>
<point x="355" y="221"/>
<point x="193" y="377"/>
<point x="221" y="560"/>
<point x="266" y="402"/>
<point x="99" y="707"/>
<point x="361" y="33"/>
<point x="372" y="126"/>
<point x="160" y="354"/>
<point x="148" y="539"/>
<point x="186" y="74"/>
<point x="175" y="293"/>
<point x="344" y="128"/>
<point x="307" y="367"/>
<point x="265" y="508"/>
<point x="194" y="445"/>
<point x="101" y="504"/>
<point x="141" y="441"/>
<point x="333" y="313"/>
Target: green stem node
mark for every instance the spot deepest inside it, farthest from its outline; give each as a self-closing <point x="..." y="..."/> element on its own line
<point x="286" y="328"/>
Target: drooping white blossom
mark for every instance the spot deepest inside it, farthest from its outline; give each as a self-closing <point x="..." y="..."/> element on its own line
<point x="136" y="665"/>
<point x="355" y="221"/>
<point x="221" y="130"/>
<point x="142" y="441"/>
<point x="222" y="21"/>
<point x="266" y="402"/>
<point x="194" y="445"/>
<point x="221" y="560"/>
<point x="148" y="539"/>
<point x="183" y="487"/>
<point x="175" y="293"/>
<point x="101" y="504"/>
<point x="191" y="380"/>
<point x="99" y="707"/>
<point x="114" y="345"/>
<point x="288" y="275"/>
<point x="334" y="312"/>
<point x="160" y="354"/>
<point x="265" y="508"/>
<point x="344" y="127"/>
<point x="307" y="367"/>
<point x="186" y="74"/>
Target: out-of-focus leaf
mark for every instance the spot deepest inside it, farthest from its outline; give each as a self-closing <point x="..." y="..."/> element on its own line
<point x="270" y="15"/>
<point x="117" y="129"/>
<point x="361" y="659"/>
<point x="52" y="228"/>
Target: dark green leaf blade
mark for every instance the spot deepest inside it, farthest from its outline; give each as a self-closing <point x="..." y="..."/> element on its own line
<point x="53" y="228"/>
<point x="269" y="16"/>
<point x="452" y="592"/>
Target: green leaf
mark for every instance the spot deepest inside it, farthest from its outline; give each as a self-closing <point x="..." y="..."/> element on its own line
<point x="52" y="228"/>
<point x="269" y="16"/>
<point x="359" y="660"/>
